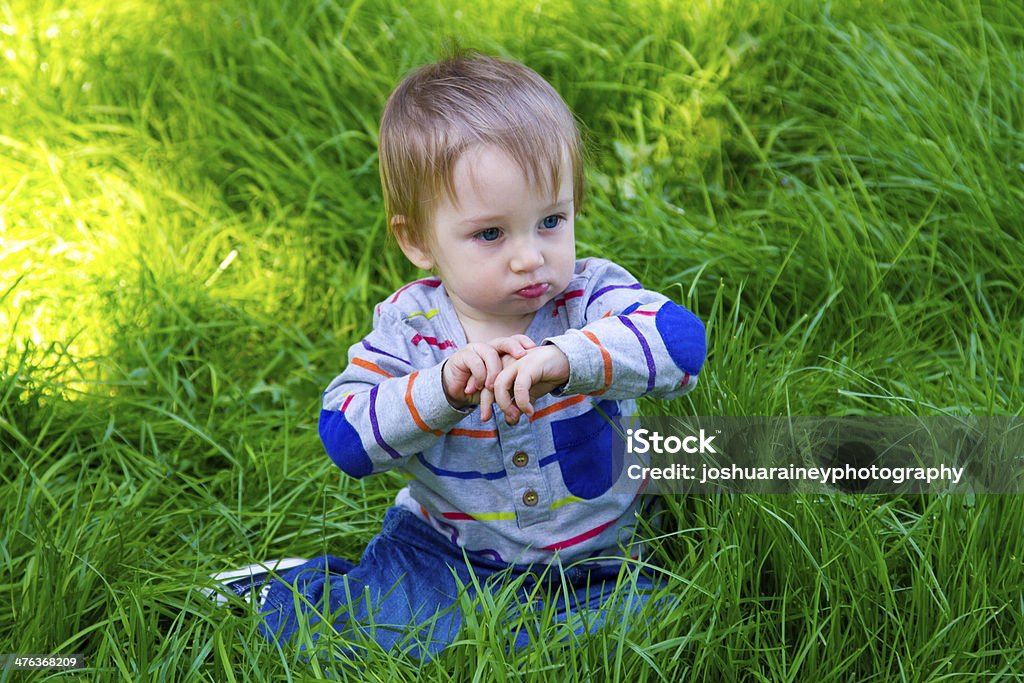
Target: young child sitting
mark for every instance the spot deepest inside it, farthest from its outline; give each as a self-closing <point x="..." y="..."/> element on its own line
<point x="492" y="383"/>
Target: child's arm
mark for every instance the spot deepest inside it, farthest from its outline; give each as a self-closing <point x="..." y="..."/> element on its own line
<point x="366" y="423"/>
<point x="630" y="342"/>
<point x="396" y="399"/>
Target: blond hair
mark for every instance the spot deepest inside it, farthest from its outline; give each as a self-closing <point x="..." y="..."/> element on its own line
<point x="440" y="110"/>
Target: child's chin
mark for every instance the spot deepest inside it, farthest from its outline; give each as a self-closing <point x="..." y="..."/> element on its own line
<point x="535" y="304"/>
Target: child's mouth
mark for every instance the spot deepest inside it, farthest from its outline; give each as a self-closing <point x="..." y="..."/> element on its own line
<point x="533" y="291"/>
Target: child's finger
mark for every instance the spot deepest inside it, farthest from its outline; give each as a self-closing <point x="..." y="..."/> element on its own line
<point x="503" y="390"/>
<point x="477" y="371"/>
<point x="507" y="346"/>
<point x="522" y="393"/>
<point x="492" y="364"/>
<point x="515" y="346"/>
<point x="507" y="402"/>
<point x="524" y="342"/>
<point x="486" y="405"/>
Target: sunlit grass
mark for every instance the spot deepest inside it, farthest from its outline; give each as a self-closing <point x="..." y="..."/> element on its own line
<point x="191" y="234"/>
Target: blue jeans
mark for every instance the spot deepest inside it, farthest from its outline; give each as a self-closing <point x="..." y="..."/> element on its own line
<point x="405" y="592"/>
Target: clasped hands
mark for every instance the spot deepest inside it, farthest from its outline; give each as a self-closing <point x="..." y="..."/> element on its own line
<point x="510" y="371"/>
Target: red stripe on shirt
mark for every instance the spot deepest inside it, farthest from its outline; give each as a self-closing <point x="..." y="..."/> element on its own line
<point x="458" y="515"/>
<point x="475" y="433"/>
<point x="576" y="540"/>
<point x="586" y="535"/>
<point x="560" y="301"/>
<point x="432" y="341"/>
<point x="426" y="282"/>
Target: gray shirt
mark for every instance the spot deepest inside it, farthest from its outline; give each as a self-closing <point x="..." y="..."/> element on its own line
<point x="550" y="488"/>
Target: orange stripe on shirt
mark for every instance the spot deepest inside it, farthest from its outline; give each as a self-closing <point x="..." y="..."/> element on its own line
<point x="607" y="358"/>
<point x="412" y="408"/>
<point x="372" y="367"/>
<point x="555" y="407"/>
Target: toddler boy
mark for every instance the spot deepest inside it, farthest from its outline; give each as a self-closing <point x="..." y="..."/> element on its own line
<point x="492" y="383"/>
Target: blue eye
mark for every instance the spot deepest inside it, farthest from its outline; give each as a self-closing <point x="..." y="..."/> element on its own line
<point x="489" y="234"/>
<point x="551" y="221"/>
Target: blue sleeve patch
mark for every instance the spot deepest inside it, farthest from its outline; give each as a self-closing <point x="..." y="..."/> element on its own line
<point x="343" y="444"/>
<point x="586" y="452"/>
<point x="683" y="334"/>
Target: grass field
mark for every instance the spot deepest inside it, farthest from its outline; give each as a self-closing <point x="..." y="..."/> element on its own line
<point x="192" y="233"/>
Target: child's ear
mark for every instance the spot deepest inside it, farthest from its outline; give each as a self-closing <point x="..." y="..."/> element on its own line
<point x="417" y="254"/>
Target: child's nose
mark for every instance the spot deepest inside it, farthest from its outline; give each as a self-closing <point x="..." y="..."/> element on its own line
<point x="528" y="257"/>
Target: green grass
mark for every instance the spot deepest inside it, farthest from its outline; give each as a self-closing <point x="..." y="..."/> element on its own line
<point x="191" y="234"/>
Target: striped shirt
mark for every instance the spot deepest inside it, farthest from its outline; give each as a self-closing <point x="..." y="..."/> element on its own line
<point x="550" y="488"/>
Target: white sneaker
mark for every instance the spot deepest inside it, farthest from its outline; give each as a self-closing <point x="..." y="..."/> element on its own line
<point x="251" y="583"/>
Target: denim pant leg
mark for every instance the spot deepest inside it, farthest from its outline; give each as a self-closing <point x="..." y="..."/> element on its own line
<point x="586" y="599"/>
<point x="402" y="594"/>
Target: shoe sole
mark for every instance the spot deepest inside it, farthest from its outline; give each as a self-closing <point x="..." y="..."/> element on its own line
<point x="258" y="573"/>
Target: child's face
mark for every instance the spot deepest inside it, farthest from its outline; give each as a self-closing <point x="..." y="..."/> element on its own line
<point x="505" y="249"/>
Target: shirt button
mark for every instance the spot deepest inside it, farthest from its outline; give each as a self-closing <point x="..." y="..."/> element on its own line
<point x="530" y="497"/>
<point x="520" y="459"/>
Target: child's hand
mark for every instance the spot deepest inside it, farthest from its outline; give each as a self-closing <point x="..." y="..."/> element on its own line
<point x="468" y="375"/>
<point x="526" y="379"/>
